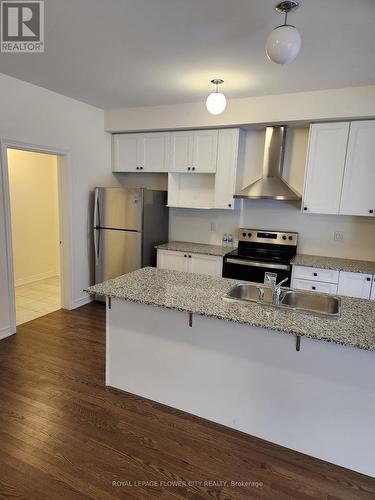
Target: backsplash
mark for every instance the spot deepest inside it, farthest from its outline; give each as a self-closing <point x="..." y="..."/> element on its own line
<point x="316" y="231"/>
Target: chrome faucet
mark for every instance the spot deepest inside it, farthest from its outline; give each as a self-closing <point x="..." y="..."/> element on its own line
<point x="277" y="291"/>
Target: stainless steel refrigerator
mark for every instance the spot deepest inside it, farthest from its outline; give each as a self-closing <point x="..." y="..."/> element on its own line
<point x="128" y="223"/>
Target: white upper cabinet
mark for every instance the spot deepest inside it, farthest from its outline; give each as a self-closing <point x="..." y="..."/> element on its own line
<point x="227" y="159"/>
<point x="194" y="151"/>
<point x="181" y="157"/>
<point x="141" y="152"/>
<point x="126" y="152"/>
<point x="325" y="167"/>
<point x="358" y="193"/>
<point x="205" y="151"/>
<point x="155" y="152"/>
<point x="355" y="285"/>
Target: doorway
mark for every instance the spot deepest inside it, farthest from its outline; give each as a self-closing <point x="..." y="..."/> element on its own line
<point x="37" y="202"/>
<point x="35" y="220"/>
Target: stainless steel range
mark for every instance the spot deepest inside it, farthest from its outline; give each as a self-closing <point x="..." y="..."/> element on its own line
<point x="262" y="256"/>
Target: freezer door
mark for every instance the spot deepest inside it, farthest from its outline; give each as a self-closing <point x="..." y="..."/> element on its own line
<point x="116" y="253"/>
<point x="118" y="208"/>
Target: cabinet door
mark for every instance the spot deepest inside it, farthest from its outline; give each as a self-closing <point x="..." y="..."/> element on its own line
<point x="205" y="264"/>
<point x="355" y="285"/>
<point x="227" y="158"/>
<point x="127" y="152"/>
<point x="325" y="167"/>
<point x="175" y="261"/>
<point x="155" y="152"/>
<point x="358" y="193"/>
<point x="314" y="286"/>
<point x="181" y="156"/>
<point x="205" y="151"/>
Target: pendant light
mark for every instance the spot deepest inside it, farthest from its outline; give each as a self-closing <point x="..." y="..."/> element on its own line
<point x="216" y="102"/>
<point x="284" y="42"/>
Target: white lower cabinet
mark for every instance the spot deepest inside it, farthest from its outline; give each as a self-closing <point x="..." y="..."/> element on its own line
<point x="334" y="282"/>
<point x="314" y="286"/>
<point x="176" y="261"/>
<point x="211" y="265"/>
<point x="355" y="285"/>
<point x="316" y="274"/>
<point x="190" y="262"/>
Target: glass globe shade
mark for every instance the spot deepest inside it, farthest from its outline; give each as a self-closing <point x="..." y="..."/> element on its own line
<point x="216" y="103"/>
<point x="283" y="44"/>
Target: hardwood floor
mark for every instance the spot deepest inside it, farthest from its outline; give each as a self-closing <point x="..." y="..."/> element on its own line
<point x="63" y="435"/>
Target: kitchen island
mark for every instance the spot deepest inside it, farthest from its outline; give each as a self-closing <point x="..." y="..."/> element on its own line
<point x="173" y="339"/>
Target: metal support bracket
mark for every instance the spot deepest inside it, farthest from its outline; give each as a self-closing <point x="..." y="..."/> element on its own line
<point x="190" y="320"/>
<point x="298" y="343"/>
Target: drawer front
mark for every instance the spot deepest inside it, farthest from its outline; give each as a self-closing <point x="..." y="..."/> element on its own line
<point x="316" y="274"/>
<point x="314" y="286"/>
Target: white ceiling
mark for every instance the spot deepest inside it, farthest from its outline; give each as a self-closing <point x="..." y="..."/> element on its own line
<point x="119" y="53"/>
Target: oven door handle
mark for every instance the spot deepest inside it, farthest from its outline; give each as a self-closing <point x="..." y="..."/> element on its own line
<point x="255" y="263"/>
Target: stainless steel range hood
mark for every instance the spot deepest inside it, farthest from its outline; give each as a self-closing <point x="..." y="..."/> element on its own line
<point x="271" y="186"/>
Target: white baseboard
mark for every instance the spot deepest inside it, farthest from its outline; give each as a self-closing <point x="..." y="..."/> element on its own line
<point x="5" y="332"/>
<point x="82" y="301"/>
<point x="35" y="277"/>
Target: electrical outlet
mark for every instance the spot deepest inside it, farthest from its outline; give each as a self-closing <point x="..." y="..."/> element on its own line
<point x="338" y="236"/>
<point x="213" y="227"/>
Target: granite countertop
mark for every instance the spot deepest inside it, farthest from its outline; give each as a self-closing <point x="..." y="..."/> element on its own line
<point x="354" y="266"/>
<point x="185" y="246"/>
<point x="203" y="295"/>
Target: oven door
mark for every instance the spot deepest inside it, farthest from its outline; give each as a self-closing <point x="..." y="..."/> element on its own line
<point x="256" y="271"/>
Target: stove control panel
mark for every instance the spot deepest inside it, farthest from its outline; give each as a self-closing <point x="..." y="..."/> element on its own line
<point x="264" y="236"/>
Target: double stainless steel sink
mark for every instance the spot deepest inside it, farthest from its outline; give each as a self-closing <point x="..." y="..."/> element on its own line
<point x="297" y="300"/>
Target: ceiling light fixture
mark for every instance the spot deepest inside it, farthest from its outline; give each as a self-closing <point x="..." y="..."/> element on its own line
<point x="216" y="102"/>
<point x="284" y="42"/>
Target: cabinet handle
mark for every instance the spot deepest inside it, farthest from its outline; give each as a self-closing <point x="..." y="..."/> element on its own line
<point x="370" y="211"/>
<point x="140" y="168"/>
<point x="229" y="205"/>
<point x="313" y="288"/>
<point x="188" y="168"/>
<point x="189" y="256"/>
<point x="185" y="256"/>
<point x="137" y="168"/>
<point x="315" y="274"/>
<point x="368" y="279"/>
<point x="193" y="168"/>
<point x="305" y="209"/>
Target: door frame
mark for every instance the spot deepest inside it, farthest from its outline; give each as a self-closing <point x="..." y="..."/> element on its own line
<point x="64" y="182"/>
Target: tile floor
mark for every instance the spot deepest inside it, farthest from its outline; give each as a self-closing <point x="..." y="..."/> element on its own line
<point x="37" y="299"/>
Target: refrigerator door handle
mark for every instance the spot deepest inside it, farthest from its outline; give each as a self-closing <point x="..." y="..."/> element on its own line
<point x="96" y="244"/>
<point x="96" y="209"/>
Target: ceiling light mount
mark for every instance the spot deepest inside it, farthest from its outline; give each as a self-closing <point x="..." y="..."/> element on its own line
<point x="216" y="102"/>
<point x="217" y="81"/>
<point x="286" y="7"/>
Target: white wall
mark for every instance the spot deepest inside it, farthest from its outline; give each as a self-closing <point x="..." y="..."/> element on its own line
<point x="316" y="231"/>
<point x="35" y="215"/>
<point x="353" y="102"/>
<point x="34" y="115"/>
